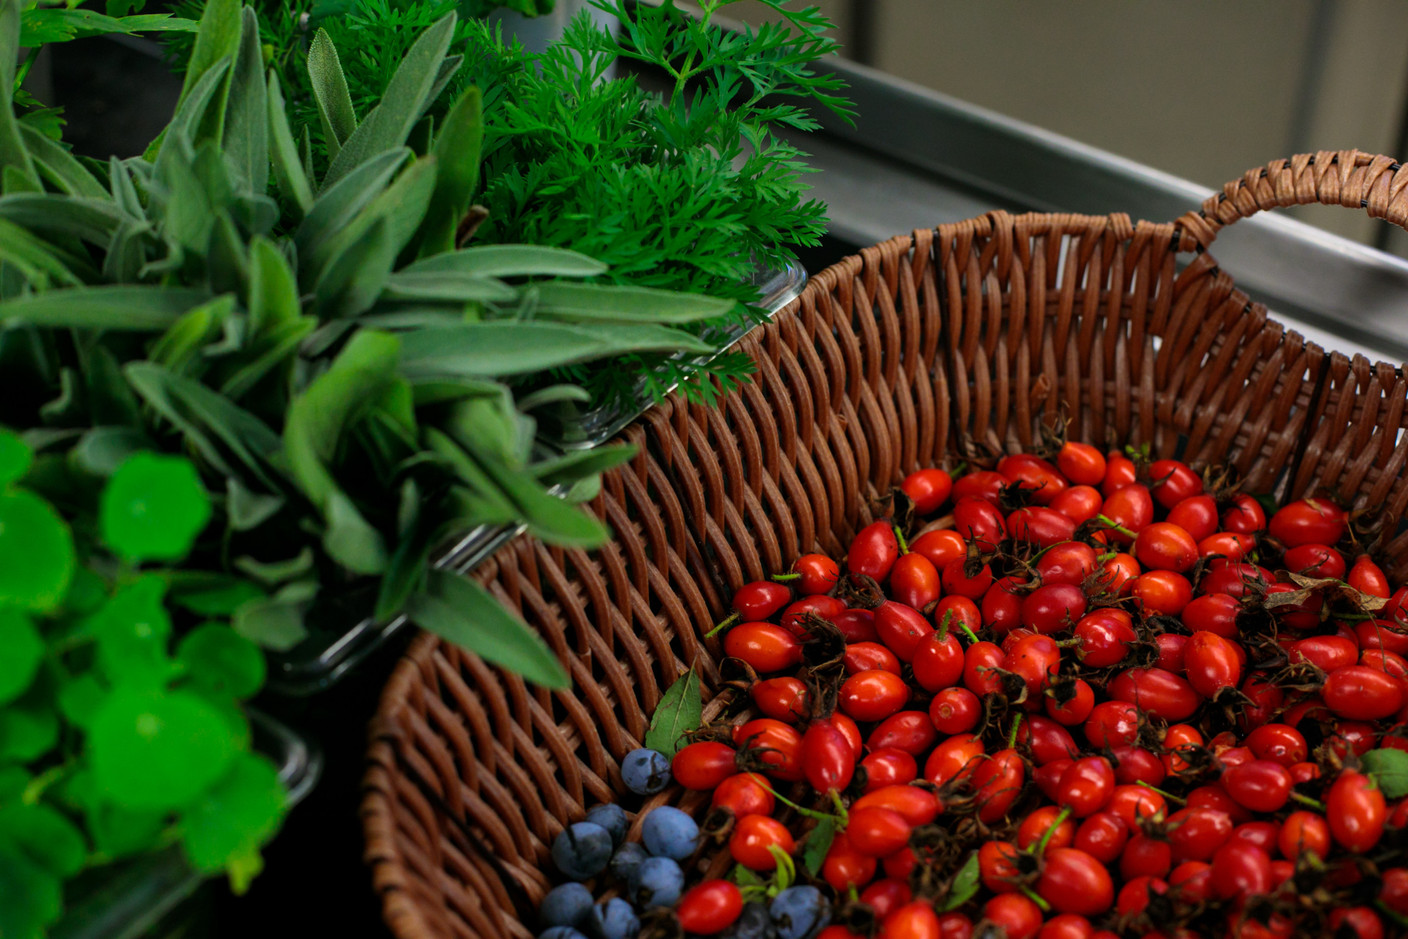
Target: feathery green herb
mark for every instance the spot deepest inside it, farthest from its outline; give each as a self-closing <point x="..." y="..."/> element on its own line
<point x="689" y="188"/>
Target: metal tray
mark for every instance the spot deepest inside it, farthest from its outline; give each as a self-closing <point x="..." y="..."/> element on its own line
<point x="916" y="158"/>
<point x="130" y="898"/>
<point x="572" y="428"/>
<point x="331" y="649"/>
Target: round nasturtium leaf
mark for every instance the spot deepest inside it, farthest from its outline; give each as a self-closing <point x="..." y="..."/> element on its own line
<point x="21" y="651"/>
<point x="132" y="630"/>
<point x="46" y="836"/>
<point x="118" y="832"/>
<point x="86" y="592"/>
<point x="30" y="897"/>
<point x="36" y="553"/>
<point x="220" y="661"/>
<point x="13" y="782"/>
<point x="27" y="731"/>
<point x="236" y="723"/>
<point x="158" y="751"/>
<point x="15" y="457"/>
<point x="236" y="816"/>
<point x="153" y="508"/>
<point x="80" y="697"/>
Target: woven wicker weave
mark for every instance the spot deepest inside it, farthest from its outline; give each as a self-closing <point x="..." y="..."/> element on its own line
<point x="919" y="351"/>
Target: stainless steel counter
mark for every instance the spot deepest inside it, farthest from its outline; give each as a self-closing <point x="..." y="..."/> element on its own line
<point x="917" y="158"/>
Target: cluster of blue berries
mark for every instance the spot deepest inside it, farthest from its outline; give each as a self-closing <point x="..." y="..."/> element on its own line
<point x="650" y="871"/>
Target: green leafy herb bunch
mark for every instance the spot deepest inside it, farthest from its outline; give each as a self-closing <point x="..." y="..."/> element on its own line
<point x="690" y="186"/>
<point x="353" y="385"/>
<point x="121" y="730"/>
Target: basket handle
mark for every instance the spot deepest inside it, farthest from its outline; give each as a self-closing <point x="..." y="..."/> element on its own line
<point x="1350" y="178"/>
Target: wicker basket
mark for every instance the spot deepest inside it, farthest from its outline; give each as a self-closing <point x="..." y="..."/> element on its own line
<point x="918" y="352"/>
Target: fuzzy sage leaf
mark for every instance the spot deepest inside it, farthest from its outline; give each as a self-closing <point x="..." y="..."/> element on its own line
<point x="330" y="92"/>
<point x="457" y="608"/>
<point x="12" y="148"/>
<point x="390" y="122"/>
<point x="511" y="261"/>
<point x="246" y="131"/>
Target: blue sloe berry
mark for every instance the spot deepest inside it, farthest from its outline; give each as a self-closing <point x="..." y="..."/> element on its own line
<point x="561" y="932"/>
<point x="658" y="881"/>
<point x="582" y="850"/>
<point x="799" y="912"/>
<point x="566" y="905"/>
<point x="645" y="771"/>
<point x="669" y="832"/>
<point x="753" y="923"/>
<point x="614" y="919"/>
<point x="611" y="817"/>
<point x="627" y="858"/>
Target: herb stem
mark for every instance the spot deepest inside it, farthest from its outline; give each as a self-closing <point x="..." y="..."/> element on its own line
<point x="35" y="790"/>
<point x="28" y="63"/>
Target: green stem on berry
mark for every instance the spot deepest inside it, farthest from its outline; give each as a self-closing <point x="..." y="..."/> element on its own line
<point x="841" y="813"/>
<point x="1315" y="804"/>
<point x="723" y="624"/>
<point x="1391" y="913"/>
<point x="786" y="578"/>
<point x="899" y="536"/>
<point x="943" y="625"/>
<point x="968" y="631"/>
<point x="786" y="867"/>
<point x="1036" y="898"/>
<point x="1167" y="795"/>
<point x="1064" y="814"/>
<point x="1012" y="737"/>
<point x="1115" y="526"/>
<point x="809" y="813"/>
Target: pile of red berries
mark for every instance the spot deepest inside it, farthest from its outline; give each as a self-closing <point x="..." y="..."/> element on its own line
<point x="1098" y="697"/>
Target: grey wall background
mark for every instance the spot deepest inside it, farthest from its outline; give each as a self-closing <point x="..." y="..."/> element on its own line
<point x="1203" y="89"/>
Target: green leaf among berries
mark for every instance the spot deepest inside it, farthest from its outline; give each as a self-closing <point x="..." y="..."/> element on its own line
<point x="1389" y="768"/>
<point x="680" y="711"/>
<point x="965" y="884"/>
<point x="818" y="844"/>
